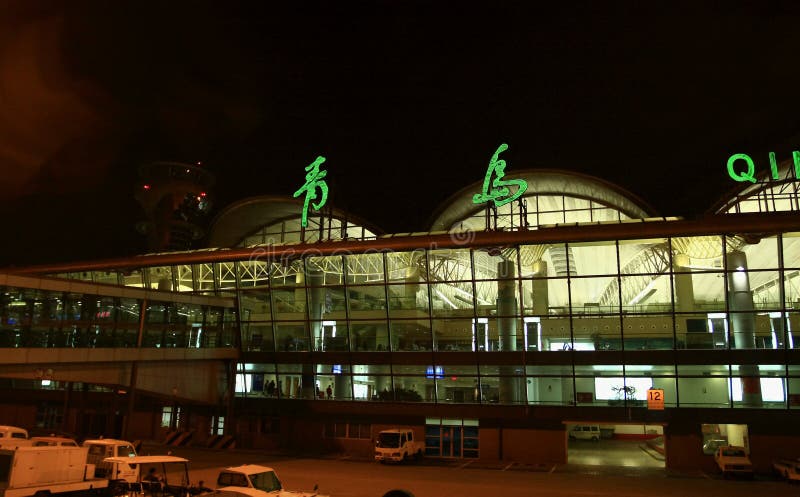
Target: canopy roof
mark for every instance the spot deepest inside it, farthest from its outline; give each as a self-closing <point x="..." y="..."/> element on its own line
<point x="546" y="182"/>
<point x="247" y="216"/>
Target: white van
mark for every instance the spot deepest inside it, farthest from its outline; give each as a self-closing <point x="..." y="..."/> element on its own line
<point x="585" y="432"/>
<point x="13" y="432"/>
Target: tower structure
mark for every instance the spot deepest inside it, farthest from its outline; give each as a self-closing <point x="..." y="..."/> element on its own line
<point x="176" y="199"/>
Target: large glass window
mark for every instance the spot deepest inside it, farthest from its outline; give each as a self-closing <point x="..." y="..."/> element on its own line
<point x="703" y="385"/>
<point x="411" y="335"/>
<point x="369" y="336"/>
<point x="411" y="384"/>
<point x="453" y="334"/>
<point x="553" y="385"/>
<point x="455" y="384"/>
<point x="372" y="382"/>
<point x="364" y="268"/>
<point x="758" y="385"/>
<point x="648" y="332"/>
<point x="503" y="384"/>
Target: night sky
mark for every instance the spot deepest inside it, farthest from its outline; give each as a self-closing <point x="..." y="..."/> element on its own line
<point x="407" y="100"/>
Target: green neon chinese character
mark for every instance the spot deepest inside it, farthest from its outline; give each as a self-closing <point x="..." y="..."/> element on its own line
<point x="314" y="180"/>
<point x="499" y="193"/>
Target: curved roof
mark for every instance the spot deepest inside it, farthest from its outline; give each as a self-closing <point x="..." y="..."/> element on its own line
<point x="246" y="216"/>
<point x="767" y="194"/>
<point x="543" y="182"/>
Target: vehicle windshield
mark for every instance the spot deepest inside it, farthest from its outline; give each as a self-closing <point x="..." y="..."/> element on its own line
<point x="125" y="451"/>
<point x="389" y="440"/>
<point x="266" y="481"/>
<point x="733" y="452"/>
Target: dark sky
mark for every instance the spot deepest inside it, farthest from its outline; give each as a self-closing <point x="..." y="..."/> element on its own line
<point x="407" y="100"/>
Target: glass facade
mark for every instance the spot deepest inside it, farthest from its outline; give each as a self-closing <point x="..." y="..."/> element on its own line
<point x="472" y="325"/>
<point x="40" y="318"/>
<point x="581" y="320"/>
<point x="509" y="325"/>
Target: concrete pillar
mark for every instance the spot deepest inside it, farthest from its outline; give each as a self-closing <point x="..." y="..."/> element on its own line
<point x="506" y="306"/>
<point x="539" y="292"/>
<point x="316" y="304"/>
<point x="341" y="387"/>
<point x="412" y="282"/>
<point x="510" y="384"/>
<point x="743" y="323"/>
<point x="684" y="291"/>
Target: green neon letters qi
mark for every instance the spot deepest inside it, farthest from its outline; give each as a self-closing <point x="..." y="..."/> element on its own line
<point x="749" y="173"/>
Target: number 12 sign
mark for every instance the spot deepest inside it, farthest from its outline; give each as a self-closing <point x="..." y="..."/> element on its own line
<point x="655" y="399"/>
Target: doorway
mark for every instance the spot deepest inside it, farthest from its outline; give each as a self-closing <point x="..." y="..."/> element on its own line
<point x="451" y="438"/>
<point x="631" y="445"/>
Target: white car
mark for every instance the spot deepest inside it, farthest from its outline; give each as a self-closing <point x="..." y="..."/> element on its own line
<point x="732" y="460"/>
<point x="252" y="480"/>
<point x="788" y="468"/>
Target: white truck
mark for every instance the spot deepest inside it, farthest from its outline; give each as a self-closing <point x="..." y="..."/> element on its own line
<point x="398" y="445"/>
<point x="104" y="448"/>
<point x="252" y="480"/>
<point x="733" y="461"/>
<point x="48" y="471"/>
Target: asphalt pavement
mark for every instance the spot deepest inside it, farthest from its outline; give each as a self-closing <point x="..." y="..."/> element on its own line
<point x="340" y="476"/>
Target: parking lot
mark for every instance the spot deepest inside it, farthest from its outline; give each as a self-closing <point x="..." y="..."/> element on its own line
<point x="342" y="476"/>
<point x="624" y="453"/>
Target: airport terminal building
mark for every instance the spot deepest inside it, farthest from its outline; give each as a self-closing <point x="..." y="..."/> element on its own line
<point x="491" y="333"/>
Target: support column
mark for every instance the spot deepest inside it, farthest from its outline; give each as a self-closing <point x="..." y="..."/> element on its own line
<point x="341" y="387"/>
<point x="65" y="421"/>
<point x="316" y="301"/>
<point x="743" y="323"/>
<point x="506" y="306"/>
<point x="510" y="384"/>
<point x="539" y="294"/>
<point x="684" y="291"/>
<point x="126" y="422"/>
<point x="230" y="397"/>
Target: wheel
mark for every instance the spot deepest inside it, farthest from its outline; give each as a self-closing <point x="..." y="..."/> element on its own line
<point x="405" y="457"/>
<point x="398" y="493"/>
<point x="595" y="439"/>
<point x="418" y="455"/>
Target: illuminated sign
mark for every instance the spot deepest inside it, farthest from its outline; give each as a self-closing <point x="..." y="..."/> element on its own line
<point x="655" y="399"/>
<point x="314" y="181"/>
<point x="750" y="168"/>
<point x="499" y="192"/>
<point x="434" y="372"/>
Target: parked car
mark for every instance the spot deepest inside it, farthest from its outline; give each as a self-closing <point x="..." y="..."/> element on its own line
<point x="252" y="480"/>
<point x="787" y="468"/>
<point x="585" y="432"/>
<point x="733" y="461"/>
